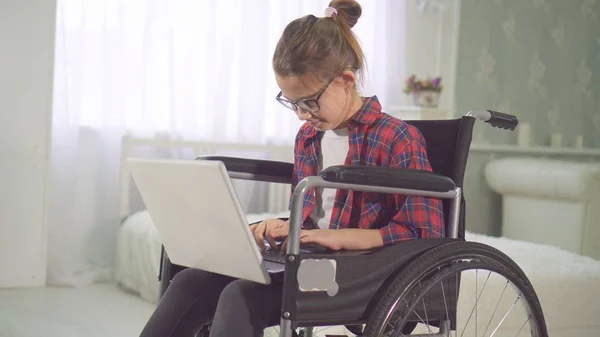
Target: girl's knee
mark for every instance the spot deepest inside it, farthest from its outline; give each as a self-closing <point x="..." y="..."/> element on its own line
<point x="242" y="291"/>
<point x="235" y="290"/>
<point x="250" y="294"/>
<point x="195" y="281"/>
<point x="189" y="276"/>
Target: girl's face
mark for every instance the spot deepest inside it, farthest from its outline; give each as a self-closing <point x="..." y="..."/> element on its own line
<point x="325" y="105"/>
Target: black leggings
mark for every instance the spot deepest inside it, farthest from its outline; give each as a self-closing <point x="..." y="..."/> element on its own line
<point x="196" y="298"/>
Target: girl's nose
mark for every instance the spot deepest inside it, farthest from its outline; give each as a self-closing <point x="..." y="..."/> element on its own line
<point x="303" y="115"/>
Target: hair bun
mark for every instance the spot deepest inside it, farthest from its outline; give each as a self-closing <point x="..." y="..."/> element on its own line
<point x="347" y="10"/>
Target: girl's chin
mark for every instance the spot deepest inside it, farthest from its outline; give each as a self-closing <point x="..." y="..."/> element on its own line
<point x="317" y="125"/>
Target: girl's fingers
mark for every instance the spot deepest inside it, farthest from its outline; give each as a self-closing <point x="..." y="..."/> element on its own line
<point x="278" y="232"/>
<point x="253" y="228"/>
<point x="272" y="242"/>
<point x="259" y="235"/>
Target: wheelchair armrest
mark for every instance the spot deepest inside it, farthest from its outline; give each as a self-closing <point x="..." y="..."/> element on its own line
<point x="255" y="169"/>
<point x="389" y="177"/>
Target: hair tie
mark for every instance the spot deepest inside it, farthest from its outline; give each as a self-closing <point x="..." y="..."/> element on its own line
<point x="329" y="11"/>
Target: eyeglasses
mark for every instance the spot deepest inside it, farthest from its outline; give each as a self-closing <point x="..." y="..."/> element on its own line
<point x="307" y="104"/>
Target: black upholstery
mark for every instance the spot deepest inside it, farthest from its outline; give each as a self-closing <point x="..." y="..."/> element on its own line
<point x="262" y="170"/>
<point x="448" y="143"/>
<point x="388" y="177"/>
<point x="361" y="279"/>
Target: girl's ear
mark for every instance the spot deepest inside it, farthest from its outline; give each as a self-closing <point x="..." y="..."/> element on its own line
<point x="349" y="79"/>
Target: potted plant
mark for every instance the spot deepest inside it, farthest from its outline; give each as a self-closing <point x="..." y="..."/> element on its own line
<point x="425" y="92"/>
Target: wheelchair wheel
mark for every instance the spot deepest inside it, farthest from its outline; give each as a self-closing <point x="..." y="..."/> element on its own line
<point x="427" y="292"/>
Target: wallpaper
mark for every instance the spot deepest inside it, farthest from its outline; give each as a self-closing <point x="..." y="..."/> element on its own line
<point x="537" y="59"/>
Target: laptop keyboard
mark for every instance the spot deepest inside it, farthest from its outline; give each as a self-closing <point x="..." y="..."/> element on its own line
<point x="273" y="256"/>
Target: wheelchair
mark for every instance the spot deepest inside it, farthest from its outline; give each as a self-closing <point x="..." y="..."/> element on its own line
<point x="414" y="285"/>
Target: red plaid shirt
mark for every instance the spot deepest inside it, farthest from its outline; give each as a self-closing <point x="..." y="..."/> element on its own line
<point x="376" y="139"/>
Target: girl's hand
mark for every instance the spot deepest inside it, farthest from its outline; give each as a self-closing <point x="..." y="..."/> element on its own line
<point x="329" y="238"/>
<point x="338" y="239"/>
<point x="271" y="229"/>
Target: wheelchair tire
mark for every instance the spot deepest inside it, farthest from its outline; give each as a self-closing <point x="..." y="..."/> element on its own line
<point x="436" y="265"/>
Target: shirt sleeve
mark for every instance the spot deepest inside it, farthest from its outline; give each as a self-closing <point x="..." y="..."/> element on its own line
<point x="418" y="217"/>
<point x="294" y="171"/>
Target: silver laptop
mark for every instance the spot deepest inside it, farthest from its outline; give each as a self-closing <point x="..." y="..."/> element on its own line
<point x="199" y="218"/>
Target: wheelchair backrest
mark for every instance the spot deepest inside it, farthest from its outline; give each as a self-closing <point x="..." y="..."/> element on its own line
<point x="448" y="142"/>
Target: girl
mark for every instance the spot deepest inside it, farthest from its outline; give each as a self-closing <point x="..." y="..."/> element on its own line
<point x="317" y="64"/>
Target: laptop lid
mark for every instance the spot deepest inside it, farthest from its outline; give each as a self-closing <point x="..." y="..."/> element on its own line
<point x="198" y="216"/>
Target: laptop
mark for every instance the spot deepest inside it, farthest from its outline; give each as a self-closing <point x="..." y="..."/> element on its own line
<point x="200" y="220"/>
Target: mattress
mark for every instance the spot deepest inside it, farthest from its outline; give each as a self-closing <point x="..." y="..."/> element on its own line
<point x="567" y="284"/>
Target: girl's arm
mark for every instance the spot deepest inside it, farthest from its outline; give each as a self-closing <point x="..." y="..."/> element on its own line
<point x="343" y="239"/>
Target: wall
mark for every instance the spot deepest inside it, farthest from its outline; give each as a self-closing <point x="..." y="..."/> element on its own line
<point x="26" y="65"/>
<point x="537" y="59"/>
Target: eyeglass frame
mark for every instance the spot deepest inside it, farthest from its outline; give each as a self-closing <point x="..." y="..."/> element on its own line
<point x="314" y="98"/>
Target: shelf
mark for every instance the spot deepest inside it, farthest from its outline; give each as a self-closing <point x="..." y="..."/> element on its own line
<point x="414" y="108"/>
<point x="411" y="112"/>
<point x="535" y="150"/>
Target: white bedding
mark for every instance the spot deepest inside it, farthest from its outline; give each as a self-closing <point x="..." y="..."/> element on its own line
<point x="568" y="285"/>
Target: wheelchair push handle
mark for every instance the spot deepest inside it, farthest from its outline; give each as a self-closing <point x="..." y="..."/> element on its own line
<point x="496" y="119"/>
<point x="503" y="120"/>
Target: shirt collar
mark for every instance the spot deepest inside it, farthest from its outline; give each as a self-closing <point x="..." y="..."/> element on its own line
<point x="367" y="114"/>
<point x="369" y="111"/>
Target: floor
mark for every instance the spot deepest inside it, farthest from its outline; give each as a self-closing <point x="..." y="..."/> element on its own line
<point x="92" y="311"/>
<point x="101" y="310"/>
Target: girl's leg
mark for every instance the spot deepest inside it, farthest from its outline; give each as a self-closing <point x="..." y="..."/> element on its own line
<point x="189" y="302"/>
<point x="246" y="308"/>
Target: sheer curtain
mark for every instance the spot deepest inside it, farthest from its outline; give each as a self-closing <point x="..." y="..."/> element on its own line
<point x="181" y="68"/>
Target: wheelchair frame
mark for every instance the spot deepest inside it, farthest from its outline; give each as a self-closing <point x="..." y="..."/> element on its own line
<point x="290" y="284"/>
<point x="385" y="180"/>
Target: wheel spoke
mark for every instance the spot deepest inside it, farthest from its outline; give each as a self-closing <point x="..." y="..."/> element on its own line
<point x="416" y="313"/>
<point x="506" y="315"/>
<point x="496" y="308"/>
<point x="395" y="324"/>
<point x="445" y="303"/>
<point x="456" y="303"/>
<point x="477" y="297"/>
<point x="420" y="297"/>
<point x="522" y="326"/>
<point x="425" y="310"/>
<point x="395" y="333"/>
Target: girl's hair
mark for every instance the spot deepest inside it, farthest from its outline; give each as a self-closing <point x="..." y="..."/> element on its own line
<point x="321" y="46"/>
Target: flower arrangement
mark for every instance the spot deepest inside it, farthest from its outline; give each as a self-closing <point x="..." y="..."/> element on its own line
<point x="425" y="92"/>
<point x="415" y="85"/>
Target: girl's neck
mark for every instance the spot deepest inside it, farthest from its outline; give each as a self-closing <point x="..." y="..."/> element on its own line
<point x="356" y="104"/>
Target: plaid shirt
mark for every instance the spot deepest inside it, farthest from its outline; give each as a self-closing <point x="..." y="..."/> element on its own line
<point x="376" y="139"/>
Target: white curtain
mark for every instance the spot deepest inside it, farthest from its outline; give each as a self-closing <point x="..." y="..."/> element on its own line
<point x="181" y="68"/>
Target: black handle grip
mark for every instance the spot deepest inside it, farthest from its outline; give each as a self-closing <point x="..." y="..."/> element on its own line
<point x="503" y="120"/>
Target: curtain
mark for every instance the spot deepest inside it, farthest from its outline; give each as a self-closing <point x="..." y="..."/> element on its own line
<point x="174" y="68"/>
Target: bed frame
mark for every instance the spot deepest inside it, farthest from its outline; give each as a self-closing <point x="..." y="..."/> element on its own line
<point x="277" y="196"/>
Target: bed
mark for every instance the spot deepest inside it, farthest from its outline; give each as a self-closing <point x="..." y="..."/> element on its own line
<point x="567" y="284"/>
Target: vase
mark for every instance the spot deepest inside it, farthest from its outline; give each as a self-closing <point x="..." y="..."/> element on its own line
<point x="426" y="98"/>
